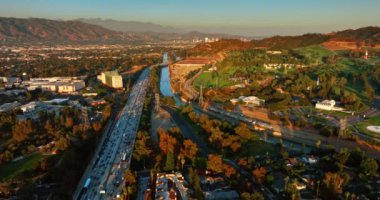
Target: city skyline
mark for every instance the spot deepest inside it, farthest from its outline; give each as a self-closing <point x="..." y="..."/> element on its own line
<point x="242" y="17"/>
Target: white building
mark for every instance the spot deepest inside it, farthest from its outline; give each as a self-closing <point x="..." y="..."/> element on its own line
<point x="30" y="106"/>
<point x="252" y="100"/>
<point x="71" y="87"/>
<point x="234" y="100"/>
<point x="55" y="84"/>
<point x="111" y="78"/>
<point x="327" y="105"/>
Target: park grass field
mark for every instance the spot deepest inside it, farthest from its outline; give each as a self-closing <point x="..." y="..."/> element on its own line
<point x="373" y="121"/>
<point x="206" y="79"/>
<point x="315" y="53"/>
<point x="13" y="169"/>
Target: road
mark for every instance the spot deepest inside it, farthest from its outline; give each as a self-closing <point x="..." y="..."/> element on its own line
<point x="104" y="177"/>
<point x="188" y="89"/>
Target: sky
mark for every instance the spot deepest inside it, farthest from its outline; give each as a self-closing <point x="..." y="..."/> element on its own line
<point x="243" y="17"/>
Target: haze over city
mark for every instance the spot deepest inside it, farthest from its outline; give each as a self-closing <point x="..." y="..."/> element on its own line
<point x="241" y="17"/>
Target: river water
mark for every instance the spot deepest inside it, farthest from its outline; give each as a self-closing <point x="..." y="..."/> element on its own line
<point x="165" y="86"/>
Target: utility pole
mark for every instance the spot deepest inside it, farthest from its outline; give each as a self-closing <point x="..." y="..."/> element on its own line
<point x="316" y="197"/>
<point x="201" y="96"/>
<point x="342" y="128"/>
<point x="157" y="104"/>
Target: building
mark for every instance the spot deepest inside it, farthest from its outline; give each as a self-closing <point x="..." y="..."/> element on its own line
<point x="252" y="100"/>
<point x="327" y="105"/>
<point x="111" y="79"/>
<point x="194" y="63"/>
<point x="9" y="106"/>
<point x="71" y="87"/>
<point x="162" y="191"/>
<point x="274" y="66"/>
<point x="274" y="52"/>
<point x="55" y="84"/>
<point x="10" y="82"/>
<point x="32" y="109"/>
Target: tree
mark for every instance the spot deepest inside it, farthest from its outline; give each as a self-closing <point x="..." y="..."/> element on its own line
<point x="228" y="170"/>
<point x="49" y="127"/>
<point x="341" y="157"/>
<point x="97" y="126"/>
<point x="69" y="122"/>
<point x="167" y="142"/>
<point x="368" y="167"/>
<point x="259" y="174"/>
<point x="22" y="129"/>
<point x="333" y="184"/>
<point x="129" y="177"/>
<point x="195" y="181"/>
<point x="130" y="187"/>
<point x="253" y="196"/>
<point x="292" y="192"/>
<point x="215" y="163"/>
<point x="233" y="142"/>
<point x="216" y="136"/>
<point x="63" y="143"/>
<point x="318" y="143"/>
<point x="189" y="149"/>
<point x="170" y="162"/>
<point x="107" y="112"/>
<point x="243" y="131"/>
<point x="142" y="150"/>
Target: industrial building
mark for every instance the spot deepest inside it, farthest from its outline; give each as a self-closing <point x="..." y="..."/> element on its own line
<point x="55" y="84"/>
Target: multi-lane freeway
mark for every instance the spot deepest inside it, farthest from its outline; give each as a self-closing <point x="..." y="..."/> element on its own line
<point x="104" y="176"/>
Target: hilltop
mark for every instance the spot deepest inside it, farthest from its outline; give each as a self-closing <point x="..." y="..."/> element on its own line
<point x="346" y="39"/>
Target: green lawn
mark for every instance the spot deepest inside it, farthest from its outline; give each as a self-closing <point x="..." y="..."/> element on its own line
<point x="13" y="169"/>
<point x="206" y="79"/>
<point x="315" y="53"/>
<point x="373" y="121"/>
<point x="334" y="113"/>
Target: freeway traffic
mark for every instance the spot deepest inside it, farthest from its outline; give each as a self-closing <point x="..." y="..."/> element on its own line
<point x="104" y="177"/>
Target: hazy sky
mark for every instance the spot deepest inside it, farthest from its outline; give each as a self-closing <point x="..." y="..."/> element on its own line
<point x="246" y="17"/>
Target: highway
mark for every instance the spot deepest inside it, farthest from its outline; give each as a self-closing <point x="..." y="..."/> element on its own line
<point x="104" y="177"/>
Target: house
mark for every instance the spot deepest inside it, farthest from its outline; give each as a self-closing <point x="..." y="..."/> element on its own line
<point x="311" y="160"/>
<point x="234" y="100"/>
<point x="327" y="105"/>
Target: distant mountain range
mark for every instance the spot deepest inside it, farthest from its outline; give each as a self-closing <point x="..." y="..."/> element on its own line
<point x="15" y="29"/>
<point x="130" y="26"/>
<point x="98" y="30"/>
<point x="45" y="30"/>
